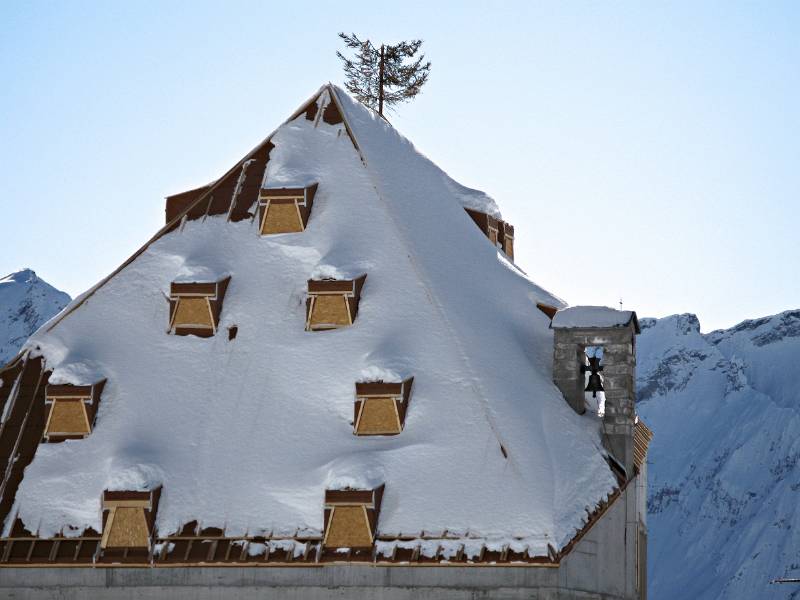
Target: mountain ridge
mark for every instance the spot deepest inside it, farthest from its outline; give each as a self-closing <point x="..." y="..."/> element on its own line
<point x="724" y="477"/>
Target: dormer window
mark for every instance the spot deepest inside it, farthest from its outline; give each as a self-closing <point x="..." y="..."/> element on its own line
<point x="332" y="303"/>
<point x="285" y="210"/>
<point x="486" y="223"/>
<point x="351" y="517"/>
<point x="128" y="522"/>
<point x="195" y="307"/>
<point x="500" y="233"/>
<point x="380" y="408"/>
<point x="71" y="411"/>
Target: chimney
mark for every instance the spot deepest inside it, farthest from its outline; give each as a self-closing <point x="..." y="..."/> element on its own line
<point x="579" y="327"/>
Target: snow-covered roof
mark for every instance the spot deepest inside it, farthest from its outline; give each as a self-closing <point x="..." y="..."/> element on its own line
<point x="246" y="434"/>
<point x="593" y="316"/>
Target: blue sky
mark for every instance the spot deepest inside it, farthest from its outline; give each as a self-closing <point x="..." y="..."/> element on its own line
<point x="643" y="151"/>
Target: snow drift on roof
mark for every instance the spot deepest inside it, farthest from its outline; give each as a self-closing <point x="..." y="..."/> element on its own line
<point x="474" y="199"/>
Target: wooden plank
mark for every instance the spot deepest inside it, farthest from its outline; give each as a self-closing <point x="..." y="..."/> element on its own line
<point x="250" y="188"/>
<point x="22" y="432"/>
<point x="54" y="550"/>
<point x="331" y="286"/>
<point x="7" y="550"/>
<point x="282" y="193"/>
<point x="379" y="388"/>
<point x="205" y="288"/>
<point x="68" y="391"/>
<point x="343" y="497"/>
<point x="117" y="497"/>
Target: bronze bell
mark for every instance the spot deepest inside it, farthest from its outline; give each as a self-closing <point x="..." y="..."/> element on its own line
<point x="595" y="383"/>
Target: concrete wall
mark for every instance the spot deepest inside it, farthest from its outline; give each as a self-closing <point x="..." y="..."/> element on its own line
<point x="600" y="567"/>
<point x="604" y="561"/>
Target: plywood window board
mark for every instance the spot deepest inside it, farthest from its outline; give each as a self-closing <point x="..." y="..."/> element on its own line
<point x="71" y="410"/>
<point x="128" y="519"/>
<point x="380" y="408"/>
<point x="332" y="304"/>
<point x="285" y="210"/>
<point x="351" y="517"/>
<point x="195" y="307"/>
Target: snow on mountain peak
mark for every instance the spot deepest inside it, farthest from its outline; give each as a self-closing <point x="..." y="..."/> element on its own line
<point x="21" y="276"/>
<point x="763" y="331"/>
<point x="26" y="303"/>
<point x="684" y="324"/>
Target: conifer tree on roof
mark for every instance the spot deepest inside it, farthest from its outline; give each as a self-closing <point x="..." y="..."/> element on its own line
<point x="380" y="77"/>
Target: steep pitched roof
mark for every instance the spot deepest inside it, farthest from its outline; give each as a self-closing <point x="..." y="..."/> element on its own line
<point x="247" y="434"/>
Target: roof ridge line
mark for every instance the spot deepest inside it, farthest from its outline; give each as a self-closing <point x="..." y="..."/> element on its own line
<point x="474" y="383"/>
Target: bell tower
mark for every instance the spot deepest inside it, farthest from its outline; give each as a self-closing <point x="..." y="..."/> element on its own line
<point x="578" y="328"/>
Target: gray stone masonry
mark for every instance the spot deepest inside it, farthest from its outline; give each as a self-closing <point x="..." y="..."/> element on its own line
<point x="619" y="376"/>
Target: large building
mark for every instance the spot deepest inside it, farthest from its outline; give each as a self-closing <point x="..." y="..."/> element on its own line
<point x="325" y="376"/>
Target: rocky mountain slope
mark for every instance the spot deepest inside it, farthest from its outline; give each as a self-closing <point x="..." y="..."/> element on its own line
<point x="26" y="303"/>
<point x="724" y="477"/>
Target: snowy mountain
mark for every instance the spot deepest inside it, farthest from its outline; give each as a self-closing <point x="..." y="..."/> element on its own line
<point x="724" y="478"/>
<point x="26" y="302"/>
